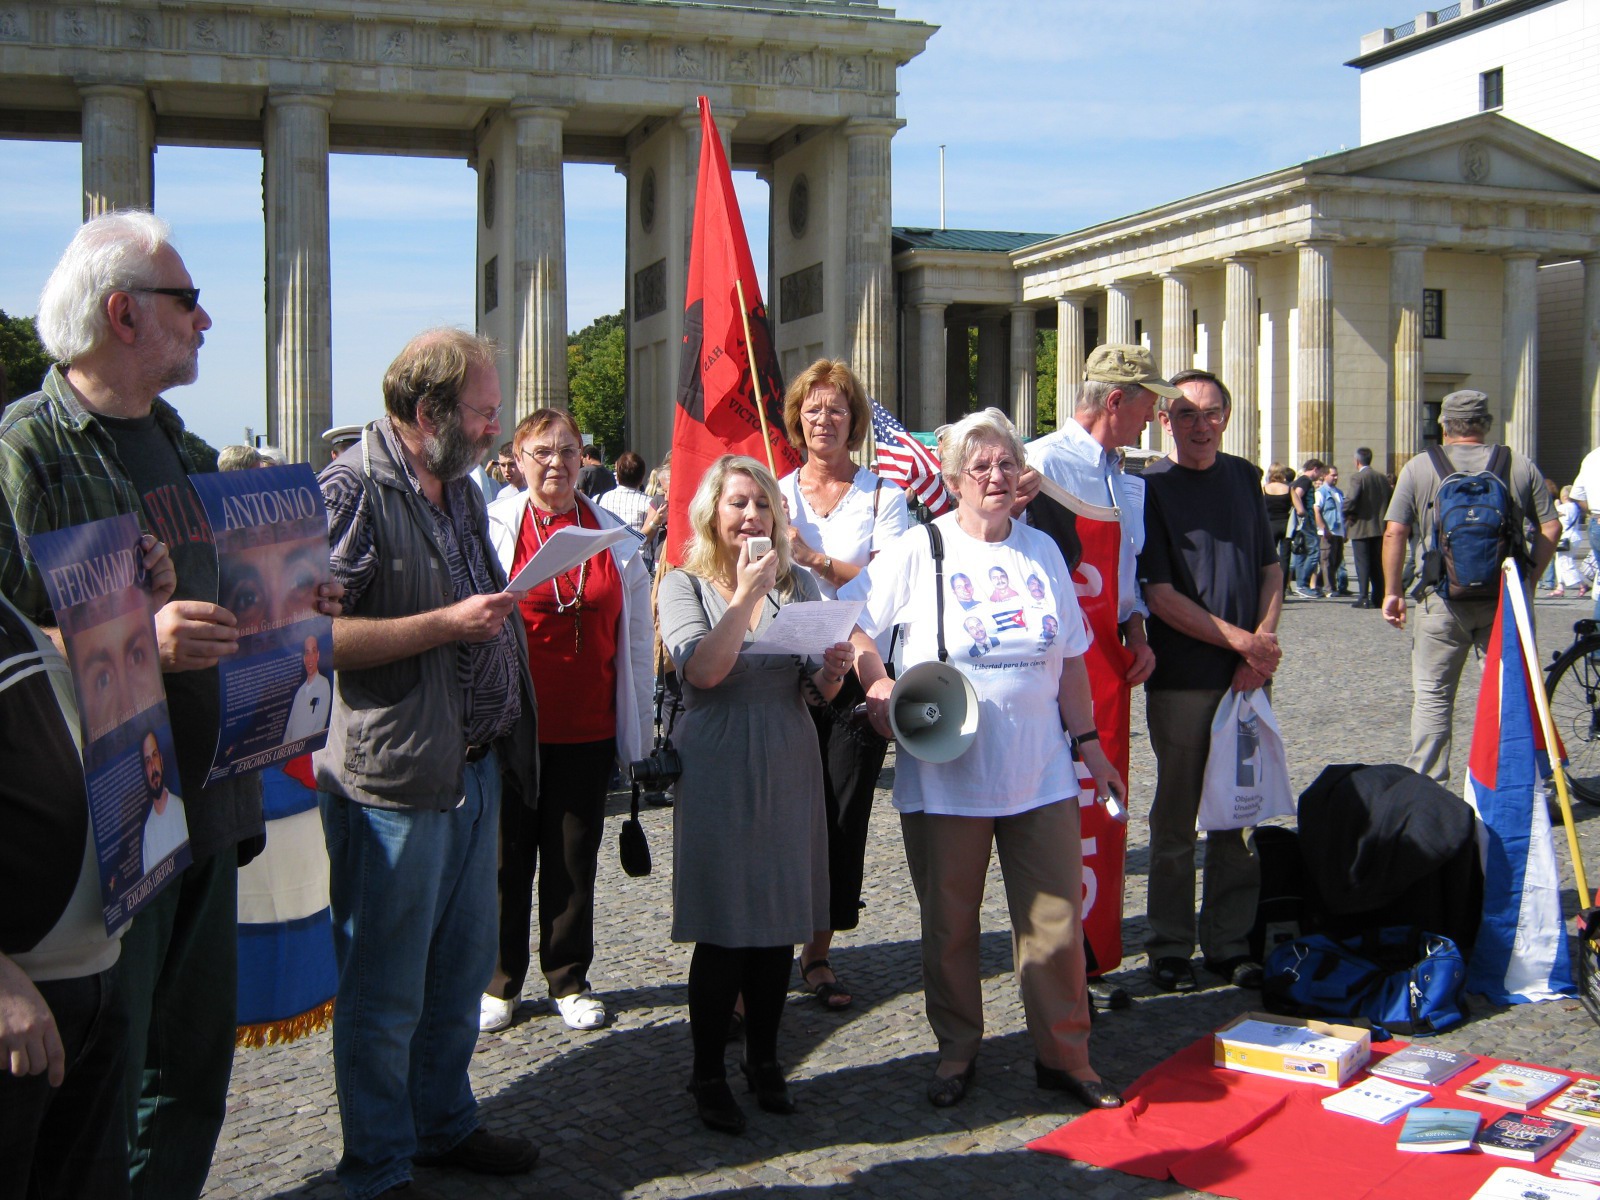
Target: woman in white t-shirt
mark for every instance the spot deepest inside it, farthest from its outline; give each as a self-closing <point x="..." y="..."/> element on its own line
<point x="840" y="516"/>
<point x="1016" y="787"/>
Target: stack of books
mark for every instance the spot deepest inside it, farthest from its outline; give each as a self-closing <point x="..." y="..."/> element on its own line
<point x="1424" y="1065"/>
<point x="1513" y="1183"/>
<point x="1438" y="1130"/>
<point x="1581" y="1160"/>
<point x="1376" y="1100"/>
<point x="1513" y="1086"/>
<point x="1522" y="1136"/>
<point x="1580" y="1103"/>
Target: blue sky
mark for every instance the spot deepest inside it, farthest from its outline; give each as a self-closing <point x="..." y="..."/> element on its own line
<point x="1056" y="114"/>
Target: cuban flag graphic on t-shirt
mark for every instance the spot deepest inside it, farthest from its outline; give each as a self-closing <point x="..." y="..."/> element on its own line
<point x="1012" y="619"/>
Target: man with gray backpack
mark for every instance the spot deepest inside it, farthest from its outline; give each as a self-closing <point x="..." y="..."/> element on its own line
<point x="1469" y="505"/>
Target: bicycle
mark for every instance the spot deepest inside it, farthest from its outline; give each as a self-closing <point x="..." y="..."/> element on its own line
<point x="1572" y="681"/>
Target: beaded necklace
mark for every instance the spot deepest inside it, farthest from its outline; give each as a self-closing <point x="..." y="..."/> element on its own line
<point x="541" y="522"/>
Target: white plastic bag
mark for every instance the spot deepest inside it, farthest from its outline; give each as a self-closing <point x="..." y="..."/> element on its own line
<point x="1247" y="773"/>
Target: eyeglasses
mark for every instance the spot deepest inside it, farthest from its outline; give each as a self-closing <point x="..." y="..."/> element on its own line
<point x="188" y="297"/>
<point x="1005" y="466"/>
<point x="818" y="415"/>
<point x="1190" y="417"/>
<point x="492" y="416"/>
<point x="545" y="455"/>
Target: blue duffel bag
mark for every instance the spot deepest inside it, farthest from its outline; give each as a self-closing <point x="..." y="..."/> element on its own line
<point x="1400" y="979"/>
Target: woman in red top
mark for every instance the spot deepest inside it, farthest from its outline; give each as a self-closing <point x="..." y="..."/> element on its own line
<point x="589" y="644"/>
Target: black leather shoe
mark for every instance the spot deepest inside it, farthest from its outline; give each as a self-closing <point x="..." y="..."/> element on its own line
<point x="1241" y="971"/>
<point x="713" y="1100"/>
<point x="945" y="1091"/>
<point x="485" y="1153"/>
<point x="771" y="1088"/>
<point x="1091" y="1093"/>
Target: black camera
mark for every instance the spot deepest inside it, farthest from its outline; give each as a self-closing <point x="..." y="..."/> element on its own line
<point x="659" y="769"/>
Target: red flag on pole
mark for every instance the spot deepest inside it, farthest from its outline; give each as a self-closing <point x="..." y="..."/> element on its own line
<point x="726" y="345"/>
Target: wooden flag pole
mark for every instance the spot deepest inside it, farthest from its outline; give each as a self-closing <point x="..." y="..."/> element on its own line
<point x="1541" y="704"/>
<point x="755" y="378"/>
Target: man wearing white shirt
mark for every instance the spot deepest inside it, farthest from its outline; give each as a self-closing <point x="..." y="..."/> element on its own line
<point x="1586" y="494"/>
<point x="308" y="714"/>
<point x="1115" y="402"/>
<point x="166" y="828"/>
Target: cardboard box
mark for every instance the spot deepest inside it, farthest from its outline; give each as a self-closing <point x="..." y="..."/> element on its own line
<point x="1292" y="1048"/>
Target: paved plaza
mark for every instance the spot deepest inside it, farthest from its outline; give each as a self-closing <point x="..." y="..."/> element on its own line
<point x="610" y="1110"/>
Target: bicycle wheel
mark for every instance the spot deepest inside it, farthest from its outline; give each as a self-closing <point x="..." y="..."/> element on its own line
<point x="1573" y="683"/>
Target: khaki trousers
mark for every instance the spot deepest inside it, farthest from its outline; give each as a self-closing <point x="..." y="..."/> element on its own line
<point x="1041" y="862"/>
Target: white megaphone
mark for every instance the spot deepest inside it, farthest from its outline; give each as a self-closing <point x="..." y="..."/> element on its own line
<point x="934" y="712"/>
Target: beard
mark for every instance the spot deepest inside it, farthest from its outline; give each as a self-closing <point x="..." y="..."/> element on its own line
<point x="174" y="363"/>
<point x="449" y="454"/>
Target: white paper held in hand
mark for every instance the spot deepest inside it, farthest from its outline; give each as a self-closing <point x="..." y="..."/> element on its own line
<point x="808" y="627"/>
<point x="565" y="549"/>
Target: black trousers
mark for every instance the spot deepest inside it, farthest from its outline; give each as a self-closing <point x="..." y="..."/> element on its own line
<point x="71" y="1141"/>
<point x="1368" y="553"/>
<point x="564" y="830"/>
<point x="850" y="766"/>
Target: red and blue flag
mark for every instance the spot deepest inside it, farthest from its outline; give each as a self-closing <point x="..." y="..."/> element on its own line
<point x="1521" y="954"/>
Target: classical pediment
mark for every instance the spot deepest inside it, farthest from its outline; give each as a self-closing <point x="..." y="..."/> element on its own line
<point x="1486" y="150"/>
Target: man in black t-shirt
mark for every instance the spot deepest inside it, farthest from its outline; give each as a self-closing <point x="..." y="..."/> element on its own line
<point x="1303" y="496"/>
<point x="1209" y="571"/>
<point x="594" y="480"/>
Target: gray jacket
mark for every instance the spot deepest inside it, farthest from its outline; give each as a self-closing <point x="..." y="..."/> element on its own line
<point x="395" y="734"/>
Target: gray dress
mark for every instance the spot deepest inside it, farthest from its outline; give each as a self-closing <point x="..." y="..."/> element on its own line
<point x="750" y="842"/>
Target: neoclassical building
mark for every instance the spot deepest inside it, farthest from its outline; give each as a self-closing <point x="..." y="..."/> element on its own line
<point x="1339" y="299"/>
<point x="803" y="91"/>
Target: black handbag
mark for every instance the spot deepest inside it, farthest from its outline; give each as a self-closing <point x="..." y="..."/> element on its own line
<point x="632" y="847"/>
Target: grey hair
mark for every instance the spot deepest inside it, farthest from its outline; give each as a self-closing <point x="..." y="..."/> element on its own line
<point x="111" y="253"/>
<point x="1467" y="426"/>
<point x="1093" y="394"/>
<point x="957" y="442"/>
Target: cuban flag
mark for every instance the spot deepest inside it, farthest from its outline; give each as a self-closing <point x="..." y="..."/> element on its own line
<point x="1013" y="619"/>
<point x="1521" y="953"/>
<point x="903" y="460"/>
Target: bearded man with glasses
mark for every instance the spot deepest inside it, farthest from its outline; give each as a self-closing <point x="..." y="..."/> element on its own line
<point x="1210" y="575"/>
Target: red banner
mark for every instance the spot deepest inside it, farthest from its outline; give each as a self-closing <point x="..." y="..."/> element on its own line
<point x="1104" y="840"/>
<point x="717" y="407"/>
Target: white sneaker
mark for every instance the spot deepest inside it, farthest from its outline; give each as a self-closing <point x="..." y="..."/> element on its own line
<point x="494" y="1014"/>
<point x="581" y="1010"/>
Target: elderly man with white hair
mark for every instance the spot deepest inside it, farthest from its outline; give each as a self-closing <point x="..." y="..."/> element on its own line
<point x="122" y="318"/>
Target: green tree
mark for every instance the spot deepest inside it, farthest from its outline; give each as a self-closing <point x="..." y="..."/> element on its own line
<point x="23" y="360"/>
<point x="597" y="381"/>
<point x="1044" y="367"/>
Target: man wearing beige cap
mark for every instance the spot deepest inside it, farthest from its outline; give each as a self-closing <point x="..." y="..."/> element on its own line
<point x="1446" y="629"/>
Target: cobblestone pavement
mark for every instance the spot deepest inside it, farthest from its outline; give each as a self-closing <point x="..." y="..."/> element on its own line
<point x="609" y="1107"/>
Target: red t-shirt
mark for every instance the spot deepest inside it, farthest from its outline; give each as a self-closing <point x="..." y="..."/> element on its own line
<point x="576" y="687"/>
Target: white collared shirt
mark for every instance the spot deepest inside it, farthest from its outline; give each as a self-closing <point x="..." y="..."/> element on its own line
<point x="1073" y="459"/>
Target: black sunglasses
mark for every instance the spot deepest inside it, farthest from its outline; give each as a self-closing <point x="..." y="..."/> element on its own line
<point x="188" y="297"/>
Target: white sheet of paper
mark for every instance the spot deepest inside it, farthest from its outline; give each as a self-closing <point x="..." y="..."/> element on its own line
<point x="809" y="627"/>
<point x="566" y="549"/>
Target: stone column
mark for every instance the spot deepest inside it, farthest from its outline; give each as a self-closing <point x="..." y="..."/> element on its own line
<point x="1241" y="329"/>
<point x="1519" y="354"/>
<point x="1119" y="313"/>
<point x="1024" y="372"/>
<point x="299" y="280"/>
<point x="1177" y="324"/>
<point x="1315" y="358"/>
<point x="1591" y="345"/>
<point x="118" y="143"/>
<point x="929" y="410"/>
<point x="1070" y="353"/>
<point x="958" y="381"/>
<point x="540" y="320"/>
<point x="991" y="362"/>
<point x="1405" y="330"/>
<point x="868" y="277"/>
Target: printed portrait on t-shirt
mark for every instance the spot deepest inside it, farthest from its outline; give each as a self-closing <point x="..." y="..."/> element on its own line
<point x="982" y="643"/>
<point x="1035" y="587"/>
<point x="1049" y="628"/>
<point x="1001" y="583"/>
<point x="961" y="585"/>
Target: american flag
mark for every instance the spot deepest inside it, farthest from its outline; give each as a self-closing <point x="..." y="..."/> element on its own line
<point x="903" y="460"/>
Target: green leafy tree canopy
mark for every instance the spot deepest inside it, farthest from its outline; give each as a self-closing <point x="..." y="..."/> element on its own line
<point x="23" y="360"/>
<point x="597" y="381"/>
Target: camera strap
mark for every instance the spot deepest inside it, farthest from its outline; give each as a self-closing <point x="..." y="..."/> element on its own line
<point x="936" y="545"/>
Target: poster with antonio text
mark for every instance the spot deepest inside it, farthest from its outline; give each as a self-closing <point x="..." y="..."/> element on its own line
<point x="272" y="554"/>
<point x="95" y="578"/>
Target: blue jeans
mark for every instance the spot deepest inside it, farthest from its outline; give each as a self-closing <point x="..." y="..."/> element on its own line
<point x="414" y="932"/>
<point x="1594" y="543"/>
<point x="1303" y="564"/>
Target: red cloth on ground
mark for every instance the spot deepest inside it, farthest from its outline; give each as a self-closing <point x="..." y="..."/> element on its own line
<point x="1256" y="1138"/>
